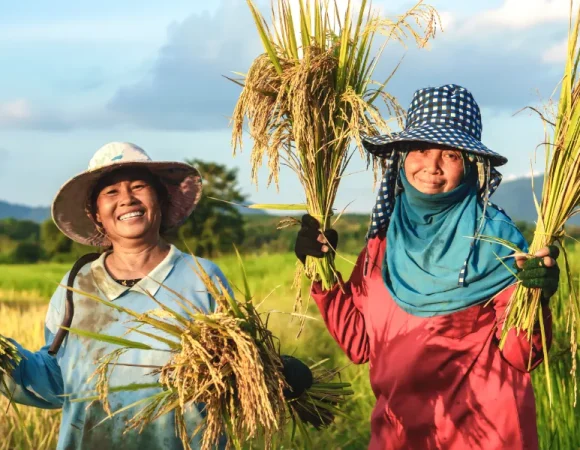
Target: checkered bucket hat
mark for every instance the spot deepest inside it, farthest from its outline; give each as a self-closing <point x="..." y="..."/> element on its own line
<point x="446" y="115"/>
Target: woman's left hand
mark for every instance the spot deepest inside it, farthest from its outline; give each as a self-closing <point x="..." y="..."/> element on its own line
<point x="298" y="376"/>
<point x="540" y="271"/>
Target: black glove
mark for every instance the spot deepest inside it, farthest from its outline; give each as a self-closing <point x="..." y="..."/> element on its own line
<point x="534" y="274"/>
<point x="297" y="375"/>
<point x="307" y="240"/>
<point x="300" y="379"/>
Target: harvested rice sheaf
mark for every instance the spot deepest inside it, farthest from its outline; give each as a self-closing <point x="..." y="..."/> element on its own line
<point x="9" y="357"/>
<point x="310" y="97"/>
<point x="223" y="367"/>
<point x="229" y="362"/>
<point x="559" y="202"/>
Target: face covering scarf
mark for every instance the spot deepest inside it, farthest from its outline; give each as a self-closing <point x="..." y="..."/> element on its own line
<point x="428" y="242"/>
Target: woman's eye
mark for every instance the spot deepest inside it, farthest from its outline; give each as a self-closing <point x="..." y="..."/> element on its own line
<point x="111" y="192"/>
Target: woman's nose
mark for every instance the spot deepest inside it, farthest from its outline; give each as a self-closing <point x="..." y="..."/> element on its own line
<point x="432" y="162"/>
<point x="126" y="197"/>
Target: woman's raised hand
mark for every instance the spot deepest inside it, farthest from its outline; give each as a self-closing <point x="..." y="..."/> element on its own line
<point x="312" y="242"/>
<point x="540" y="271"/>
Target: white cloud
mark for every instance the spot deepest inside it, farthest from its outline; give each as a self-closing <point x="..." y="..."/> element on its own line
<point x="520" y="14"/>
<point x="115" y="29"/>
<point x="184" y="88"/>
<point x="556" y="53"/>
<point x="447" y="19"/>
<point x="22" y="114"/>
<point x="513" y="177"/>
<point x="14" y="110"/>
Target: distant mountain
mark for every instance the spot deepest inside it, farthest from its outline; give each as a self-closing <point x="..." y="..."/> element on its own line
<point x="515" y="196"/>
<point x="40" y="214"/>
<point x="21" y="212"/>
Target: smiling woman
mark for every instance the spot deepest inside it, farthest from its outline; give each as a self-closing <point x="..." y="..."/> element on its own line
<point x="131" y="194"/>
<point x="122" y="203"/>
<point x="127" y="205"/>
<point x="434" y="169"/>
<point x="424" y="304"/>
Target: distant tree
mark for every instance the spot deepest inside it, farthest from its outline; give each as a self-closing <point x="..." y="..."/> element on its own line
<point x="19" y="230"/>
<point x="573" y="231"/>
<point x="7" y="245"/>
<point x="215" y="226"/>
<point x="26" y="252"/>
<point x="52" y="240"/>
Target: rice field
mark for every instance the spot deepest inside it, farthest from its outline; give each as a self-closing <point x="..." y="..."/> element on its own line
<point x="25" y="290"/>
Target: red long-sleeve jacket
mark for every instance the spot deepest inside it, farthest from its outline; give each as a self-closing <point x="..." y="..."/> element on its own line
<point x="440" y="382"/>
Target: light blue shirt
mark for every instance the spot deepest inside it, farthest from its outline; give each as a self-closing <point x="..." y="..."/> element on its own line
<point x="44" y="381"/>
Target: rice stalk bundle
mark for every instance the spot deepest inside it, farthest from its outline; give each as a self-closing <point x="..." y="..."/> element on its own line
<point x="560" y="201"/>
<point x="9" y="357"/>
<point x="311" y="95"/>
<point x="227" y="361"/>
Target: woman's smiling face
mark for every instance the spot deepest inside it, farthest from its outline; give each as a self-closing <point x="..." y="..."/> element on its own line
<point x="127" y="206"/>
<point x="433" y="169"/>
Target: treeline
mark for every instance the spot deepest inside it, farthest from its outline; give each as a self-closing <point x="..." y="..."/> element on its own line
<point x="23" y="241"/>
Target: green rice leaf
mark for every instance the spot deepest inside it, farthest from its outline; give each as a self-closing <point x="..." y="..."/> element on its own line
<point x="149" y="399"/>
<point x="264" y="36"/>
<point x="109" y="339"/>
<point x="247" y="291"/>
<point x="171" y="344"/>
<point x="179" y="317"/>
<point x="280" y="206"/>
<point x="496" y="240"/>
<point x="127" y="387"/>
<point x="546" y="360"/>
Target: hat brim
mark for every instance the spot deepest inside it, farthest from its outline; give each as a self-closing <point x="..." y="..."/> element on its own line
<point x="382" y="146"/>
<point x="182" y="181"/>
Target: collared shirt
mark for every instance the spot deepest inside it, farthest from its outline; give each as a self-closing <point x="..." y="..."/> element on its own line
<point x="45" y="381"/>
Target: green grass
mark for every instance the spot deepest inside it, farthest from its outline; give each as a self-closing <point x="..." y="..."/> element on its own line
<point x="30" y="282"/>
<point x="559" y="426"/>
<point x="271" y="276"/>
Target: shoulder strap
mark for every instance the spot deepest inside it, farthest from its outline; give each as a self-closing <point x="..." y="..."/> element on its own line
<point x="69" y="305"/>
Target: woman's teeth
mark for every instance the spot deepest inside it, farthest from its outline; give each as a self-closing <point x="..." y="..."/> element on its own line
<point x="131" y="214"/>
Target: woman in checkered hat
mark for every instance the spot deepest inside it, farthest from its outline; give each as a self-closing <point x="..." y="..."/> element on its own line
<point x="424" y="304"/>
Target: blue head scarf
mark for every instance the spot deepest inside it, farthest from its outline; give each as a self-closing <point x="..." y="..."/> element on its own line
<point x="428" y="245"/>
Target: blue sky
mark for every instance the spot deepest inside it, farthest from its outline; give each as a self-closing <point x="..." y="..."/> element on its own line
<point x="79" y="74"/>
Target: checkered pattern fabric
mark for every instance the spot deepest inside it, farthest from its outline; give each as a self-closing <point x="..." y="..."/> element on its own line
<point x="385" y="202"/>
<point x="446" y="115"/>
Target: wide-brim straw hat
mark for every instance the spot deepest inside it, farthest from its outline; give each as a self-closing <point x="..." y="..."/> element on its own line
<point x="445" y="115"/>
<point x="71" y="204"/>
